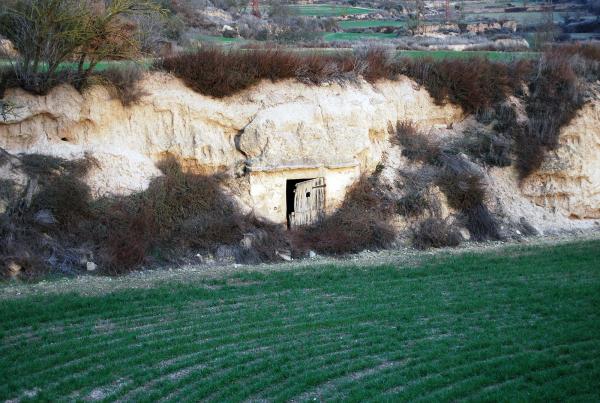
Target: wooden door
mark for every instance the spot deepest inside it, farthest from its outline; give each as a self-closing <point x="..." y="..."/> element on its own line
<point x="309" y="202"/>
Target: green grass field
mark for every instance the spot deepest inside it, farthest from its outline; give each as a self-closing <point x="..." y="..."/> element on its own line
<point x="532" y="18"/>
<point x="99" y="67"/>
<point x="218" y="39"/>
<point x="488" y="54"/>
<point x="356" y="36"/>
<point x="370" y="23"/>
<point x="518" y="323"/>
<point x="328" y="10"/>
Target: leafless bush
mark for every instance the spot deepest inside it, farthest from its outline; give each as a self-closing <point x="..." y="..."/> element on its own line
<point x="465" y="190"/>
<point x="416" y="145"/>
<point x="413" y="204"/>
<point x="203" y="70"/>
<point x="556" y="94"/>
<point x="463" y="185"/>
<point x="49" y="33"/>
<point x="435" y="233"/>
<point x="481" y="223"/>
<point x="415" y="200"/>
<point x="473" y="84"/>
<point x="7" y="109"/>
<point x="489" y="148"/>
<point x="123" y="80"/>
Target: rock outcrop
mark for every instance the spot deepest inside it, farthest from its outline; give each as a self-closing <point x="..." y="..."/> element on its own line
<point x="275" y="133"/>
<point x="275" y="127"/>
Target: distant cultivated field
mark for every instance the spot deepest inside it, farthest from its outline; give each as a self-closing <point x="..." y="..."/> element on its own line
<point x="526" y="17"/>
<point x="514" y="324"/>
<point x="328" y="10"/>
<point x="370" y="23"/>
<point x="487" y="54"/>
<point x="356" y="36"/>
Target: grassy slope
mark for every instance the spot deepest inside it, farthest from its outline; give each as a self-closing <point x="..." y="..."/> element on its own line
<point x="519" y="324"/>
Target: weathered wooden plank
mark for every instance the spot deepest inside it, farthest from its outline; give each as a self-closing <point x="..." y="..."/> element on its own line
<point x="309" y="202"/>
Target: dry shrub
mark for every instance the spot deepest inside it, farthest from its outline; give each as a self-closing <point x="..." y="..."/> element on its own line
<point x="474" y="84"/>
<point x="61" y="189"/>
<point x="416" y="145"/>
<point x="556" y="94"/>
<point x="178" y="198"/>
<point x="124" y="235"/>
<point x="123" y="80"/>
<point x="505" y="118"/>
<point x="589" y="51"/>
<point x="8" y="190"/>
<point x="362" y="222"/>
<point x="481" y="224"/>
<point x="62" y="227"/>
<point x="184" y="212"/>
<point x="219" y="72"/>
<point x="415" y="183"/>
<point x="412" y="204"/>
<point x="463" y="186"/>
<point x="40" y="231"/>
<point x="465" y="190"/>
<point x="378" y="64"/>
<point x="435" y="233"/>
<point x="489" y="148"/>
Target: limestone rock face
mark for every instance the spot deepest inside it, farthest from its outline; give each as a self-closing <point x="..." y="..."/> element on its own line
<point x="569" y="179"/>
<point x="275" y="125"/>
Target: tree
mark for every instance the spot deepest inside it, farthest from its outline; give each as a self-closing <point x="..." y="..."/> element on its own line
<point x="49" y="33"/>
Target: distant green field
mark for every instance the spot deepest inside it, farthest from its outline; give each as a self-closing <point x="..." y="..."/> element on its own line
<point x="328" y="10"/>
<point x="370" y="23"/>
<point x="218" y="39"/>
<point x="99" y="67"/>
<point x="515" y="324"/>
<point x="352" y="36"/>
<point x="449" y="54"/>
<point x="520" y="17"/>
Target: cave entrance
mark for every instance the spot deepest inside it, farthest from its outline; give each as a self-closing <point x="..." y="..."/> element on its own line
<point x="305" y="201"/>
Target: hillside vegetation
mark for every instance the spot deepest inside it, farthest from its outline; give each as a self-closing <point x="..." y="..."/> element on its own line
<point x="505" y="325"/>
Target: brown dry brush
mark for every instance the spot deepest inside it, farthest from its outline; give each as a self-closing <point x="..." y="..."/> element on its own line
<point x="184" y="213"/>
<point x="41" y="228"/>
<point x="415" y="145"/>
<point x="434" y="232"/>
<point x="492" y="149"/>
<point x="556" y="95"/>
<point x="463" y="185"/>
<point x="180" y="213"/>
<point x="123" y="82"/>
<point x="217" y="72"/>
<point x="475" y="84"/>
<point x="556" y="92"/>
<point x="466" y="191"/>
